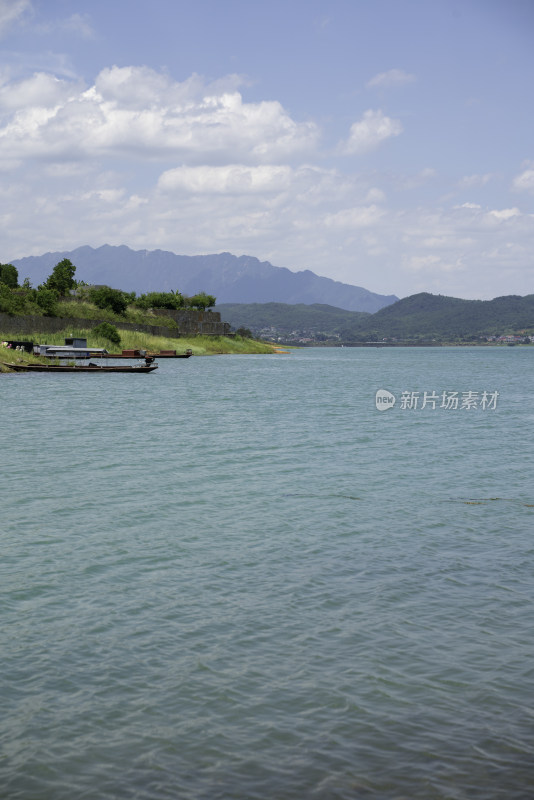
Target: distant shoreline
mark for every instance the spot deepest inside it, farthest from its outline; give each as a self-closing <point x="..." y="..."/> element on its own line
<point x="432" y="344"/>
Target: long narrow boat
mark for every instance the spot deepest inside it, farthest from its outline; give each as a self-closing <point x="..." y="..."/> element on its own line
<point x="187" y="354"/>
<point x="93" y="369"/>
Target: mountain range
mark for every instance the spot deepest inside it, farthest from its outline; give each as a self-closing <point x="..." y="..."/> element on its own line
<point x="232" y="279"/>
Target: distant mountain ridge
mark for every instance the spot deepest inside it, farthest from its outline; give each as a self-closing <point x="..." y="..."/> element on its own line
<point x="232" y="279"/>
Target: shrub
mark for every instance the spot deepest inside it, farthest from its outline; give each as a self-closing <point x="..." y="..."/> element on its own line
<point x="46" y="299"/>
<point x="107" y="331"/>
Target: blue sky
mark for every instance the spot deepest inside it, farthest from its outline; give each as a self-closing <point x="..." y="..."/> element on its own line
<point x="383" y="143"/>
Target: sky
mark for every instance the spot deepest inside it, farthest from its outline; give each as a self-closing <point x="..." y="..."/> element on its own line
<point x="387" y="144"/>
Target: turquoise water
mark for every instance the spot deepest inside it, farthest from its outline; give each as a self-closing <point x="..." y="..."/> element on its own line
<point x="236" y="578"/>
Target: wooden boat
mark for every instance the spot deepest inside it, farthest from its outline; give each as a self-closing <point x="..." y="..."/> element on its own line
<point x="187" y="354"/>
<point x="92" y="369"/>
<point x="163" y="354"/>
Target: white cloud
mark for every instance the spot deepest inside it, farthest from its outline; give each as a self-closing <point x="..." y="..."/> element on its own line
<point x="358" y="217"/>
<point x="415" y="181"/>
<point x="41" y="91"/>
<point x="298" y="217"/>
<point x="391" y="78"/>
<point x="110" y="196"/>
<point x="229" y="179"/>
<point x="417" y="263"/>
<point x="504" y="214"/>
<point x="137" y="158"/>
<point x="446" y="243"/>
<point x="370" y="132"/>
<point x="469" y="181"/>
<point x="140" y="113"/>
<point x="78" y="24"/>
<point x="375" y="195"/>
<point x="11" y="11"/>
<point x="525" y="181"/>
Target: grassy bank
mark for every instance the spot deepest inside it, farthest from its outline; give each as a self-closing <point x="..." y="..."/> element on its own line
<point x="15" y="356"/>
<point x="135" y="316"/>
<point x="200" y="345"/>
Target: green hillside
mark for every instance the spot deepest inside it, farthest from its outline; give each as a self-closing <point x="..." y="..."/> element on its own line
<point x="420" y="316"/>
<point x="427" y="315"/>
<point x="317" y="317"/>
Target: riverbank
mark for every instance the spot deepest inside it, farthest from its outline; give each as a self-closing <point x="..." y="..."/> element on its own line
<point x="15" y="356"/>
<point x="132" y="340"/>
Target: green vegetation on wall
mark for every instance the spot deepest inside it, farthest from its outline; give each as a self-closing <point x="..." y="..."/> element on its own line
<point x="174" y="300"/>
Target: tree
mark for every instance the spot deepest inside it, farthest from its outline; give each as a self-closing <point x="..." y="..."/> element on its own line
<point x="246" y="333"/>
<point x="201" y="301"/>
<point x="62" y="278"/>
<point x="9" y="275"/>
<point x="105" y="297"/>
<point x="172" y="300"/>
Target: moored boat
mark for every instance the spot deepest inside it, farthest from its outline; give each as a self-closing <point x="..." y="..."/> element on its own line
<point x="91" y="369"/>
<point x="137" y="354"/>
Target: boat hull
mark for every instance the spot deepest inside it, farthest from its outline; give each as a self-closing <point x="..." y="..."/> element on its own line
<point x="91" y="370"/>
<point x="154" y="355"/>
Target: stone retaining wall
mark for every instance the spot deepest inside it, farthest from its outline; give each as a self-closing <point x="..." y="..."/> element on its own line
<point x="191" y="323"/>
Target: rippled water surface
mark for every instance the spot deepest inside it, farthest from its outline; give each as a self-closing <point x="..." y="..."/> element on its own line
<point x="235" y="578"/>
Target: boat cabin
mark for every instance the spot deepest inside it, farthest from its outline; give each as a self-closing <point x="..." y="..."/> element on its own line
<point x="73" y="348"/>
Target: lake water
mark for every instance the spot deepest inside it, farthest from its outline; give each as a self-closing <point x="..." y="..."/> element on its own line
<point x="236" y="578"/>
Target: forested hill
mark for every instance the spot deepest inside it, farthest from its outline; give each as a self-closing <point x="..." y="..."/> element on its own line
<point x="285" y="317"/>
<point x="418" y="316"/>
<point x="428" y="315"/>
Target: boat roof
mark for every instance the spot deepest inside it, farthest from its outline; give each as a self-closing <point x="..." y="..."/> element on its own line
<point x="67" y="349"/>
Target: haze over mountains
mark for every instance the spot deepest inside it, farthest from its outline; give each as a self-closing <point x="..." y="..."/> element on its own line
<point x="232" y="279"/>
